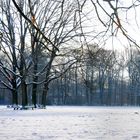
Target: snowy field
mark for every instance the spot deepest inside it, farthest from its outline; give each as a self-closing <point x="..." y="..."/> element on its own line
<point x="70" y="123"/>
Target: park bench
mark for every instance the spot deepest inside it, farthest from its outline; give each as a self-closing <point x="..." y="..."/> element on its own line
<point x="27" y="107"/>
<point x="16" y="107"/>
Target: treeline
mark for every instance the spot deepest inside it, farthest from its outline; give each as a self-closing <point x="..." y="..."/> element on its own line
<point x="100" y="77"/>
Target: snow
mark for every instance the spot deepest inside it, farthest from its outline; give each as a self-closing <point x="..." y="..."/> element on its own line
<point x="70" y="123"/>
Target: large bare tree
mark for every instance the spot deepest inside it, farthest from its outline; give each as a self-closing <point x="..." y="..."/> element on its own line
<point x="52" y="24"/>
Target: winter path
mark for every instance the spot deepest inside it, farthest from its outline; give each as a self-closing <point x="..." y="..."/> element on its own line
<point x="70" y="123"/>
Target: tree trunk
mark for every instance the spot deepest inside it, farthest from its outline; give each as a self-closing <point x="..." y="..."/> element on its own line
<point x="76" y="87"/>
<point x="34" y="97"/>
<point x="34" y="88"/>
<point x="108" y="102"/>
<point x="14" y="93"/>
<point x="101" y="94"/>
<point x="44" y="95"/>
<point x="101" y="85"/>
<point x="46" y="84"/>
<point x="24" y="94"/>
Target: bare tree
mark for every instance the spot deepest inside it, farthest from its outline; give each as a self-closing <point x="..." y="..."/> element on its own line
<point x="8" y="47"/>
<point x="14" y="30"/>
<point x="48" y="28"/>
<point x="53" y="25"/>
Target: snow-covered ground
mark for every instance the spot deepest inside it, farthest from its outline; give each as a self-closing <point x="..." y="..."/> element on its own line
<point x="70" y="123"/>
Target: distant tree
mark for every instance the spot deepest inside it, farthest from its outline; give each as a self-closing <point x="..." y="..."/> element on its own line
<point x="98" y="72"/>
<point x="133" y="65"/>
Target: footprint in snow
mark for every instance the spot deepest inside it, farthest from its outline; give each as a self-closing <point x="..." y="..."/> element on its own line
<point x="135" y="137"/>
<point x="34" y="134"/>
<point x="136" y="112"/>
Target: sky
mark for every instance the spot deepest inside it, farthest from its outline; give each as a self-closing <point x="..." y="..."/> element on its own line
<point x="129" y="20"/>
